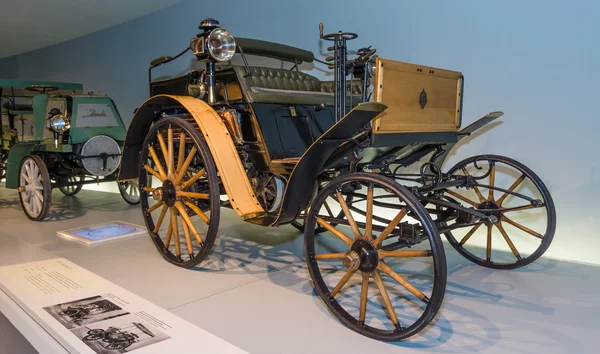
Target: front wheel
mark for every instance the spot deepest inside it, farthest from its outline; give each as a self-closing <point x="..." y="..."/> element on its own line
<point x="35" y="190"/>
<point x="356" y="266"/>
<point x="187" y="190"/>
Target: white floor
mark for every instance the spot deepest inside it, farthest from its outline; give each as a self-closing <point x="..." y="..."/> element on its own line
<point x="254" y="291"/>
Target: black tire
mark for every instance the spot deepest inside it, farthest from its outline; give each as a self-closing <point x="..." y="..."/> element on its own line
<point x="72" y="189"/>
<point x="366" y="248"/>
<point x="512" y="261"/>
<point x="207" y="185"/>
<point x="42" y="188"/>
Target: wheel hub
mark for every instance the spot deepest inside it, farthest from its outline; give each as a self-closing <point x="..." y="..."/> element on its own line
<point x="169" y="193"/>
<point x="491" y="209"/>
<point x="366" y="254"/>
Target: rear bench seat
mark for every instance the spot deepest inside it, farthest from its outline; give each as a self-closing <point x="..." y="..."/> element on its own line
<point x="270" y="85"/>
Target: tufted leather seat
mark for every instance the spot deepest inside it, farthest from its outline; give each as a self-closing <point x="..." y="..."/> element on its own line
<point x="270" y="85"/>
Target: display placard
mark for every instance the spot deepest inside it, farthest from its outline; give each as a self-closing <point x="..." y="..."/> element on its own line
<point x="88" y="314"/>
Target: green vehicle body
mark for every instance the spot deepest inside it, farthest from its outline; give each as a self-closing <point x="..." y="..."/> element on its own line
<point x="77" y="135"/>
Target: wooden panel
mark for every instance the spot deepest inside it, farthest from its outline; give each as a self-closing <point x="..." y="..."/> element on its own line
<point x="226" y="158"/>
<point x="399" y="85"/>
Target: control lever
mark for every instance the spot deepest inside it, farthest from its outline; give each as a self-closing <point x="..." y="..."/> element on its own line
<point x="321" y="30"/>
<point x="330" y="58"/>
<point x="330" y="49"/>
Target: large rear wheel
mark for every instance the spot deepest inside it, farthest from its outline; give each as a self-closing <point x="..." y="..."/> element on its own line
<point x="356" y="266"/>
<point x="182" y="211"/>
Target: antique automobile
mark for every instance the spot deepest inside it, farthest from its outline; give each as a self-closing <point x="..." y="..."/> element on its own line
<point x="66" y="139"/>
<point x="114" y="338"/>
<point x="80" y="313"/>
<point x="279" y="146"/>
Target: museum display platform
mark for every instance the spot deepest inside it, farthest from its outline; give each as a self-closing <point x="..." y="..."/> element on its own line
<point x="254" y="290"/>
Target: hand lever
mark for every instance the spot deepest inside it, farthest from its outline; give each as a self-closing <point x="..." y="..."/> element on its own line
<point x="321" y="30"/>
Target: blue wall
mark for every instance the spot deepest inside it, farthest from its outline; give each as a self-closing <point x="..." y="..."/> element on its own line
<point x="535" y="60"/>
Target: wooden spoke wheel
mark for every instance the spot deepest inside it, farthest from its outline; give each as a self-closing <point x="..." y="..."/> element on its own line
<point x="526" y="219"/>
<point x="130" y="190"/>
<point x="75" y="183"/>
<point x="35" y="190"/>
<point x="363" y="269"/>
<point x="181" y="205"/>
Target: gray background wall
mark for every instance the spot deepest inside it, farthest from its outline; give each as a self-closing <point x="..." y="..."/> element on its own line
<point x="535" y="60"/>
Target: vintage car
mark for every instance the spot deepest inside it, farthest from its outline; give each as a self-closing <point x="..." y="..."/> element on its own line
<point x="66" y="139"/>
<point x="279" y="146"/>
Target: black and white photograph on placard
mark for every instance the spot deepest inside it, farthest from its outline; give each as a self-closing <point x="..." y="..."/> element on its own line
<point x="85" y="311"/>
<point x="119" y="335"/>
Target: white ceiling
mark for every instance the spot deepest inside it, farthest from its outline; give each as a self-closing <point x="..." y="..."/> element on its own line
<point x="27" y="25"/>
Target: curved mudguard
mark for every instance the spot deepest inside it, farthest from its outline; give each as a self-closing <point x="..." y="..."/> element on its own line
<point x="305" y="173"/>
<point x="214" y="131"/>
<point x="16" y="154"/>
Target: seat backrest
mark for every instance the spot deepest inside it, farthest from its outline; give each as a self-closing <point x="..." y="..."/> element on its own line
<point x="271" y="78"/>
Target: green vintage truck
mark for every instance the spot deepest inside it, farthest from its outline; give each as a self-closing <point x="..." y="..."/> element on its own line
<point x="54" y="135"/>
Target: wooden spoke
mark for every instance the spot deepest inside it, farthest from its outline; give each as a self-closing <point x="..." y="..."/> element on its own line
<point x="475" y="188"/>
<point x="519" y="226"/>
<point x="469" y="234"/>
<point x="197" y="210"/>
<point x="153" y="172"/>
<point x="523" y="207"/>
<point x="488" y="249"/>
<point x="342" y="282"/>
<point x="169" y="232"/>
<point x="408" y="286"/>
<point x="188" y="238"/>
<point x="508" y="240"/>
<point x="181" y="153"/>
<point x="463" y="198"/>
<point x="386" y="298"/>
<point x="171" y="161"/>
<point x="161" y="170"/>
<point x="193" y="180"/>
<point x="349" y="216"/>
<point x="185" y="166"/>
<point x="335" y="231"/>
<point x="175" y="231"/>
<point x="492" y="181"/>
<point x="155" y="206"/>
<point x="189" y="222"/>
<point x="163" y="146"/>
<point x="512" y="188"/>
<point x="160" y="218"/>
<point x="369" y="216"/>
<point x="392" y="225"/>
<point x="324" y="256"/>
<point x="404" y="253"/>
<point x="364" y="292"/>
<point x="192" y="195"/>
